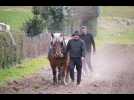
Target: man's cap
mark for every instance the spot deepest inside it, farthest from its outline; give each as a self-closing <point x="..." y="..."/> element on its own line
<point x="83" y="27"/>
<point x="75" y="33"/>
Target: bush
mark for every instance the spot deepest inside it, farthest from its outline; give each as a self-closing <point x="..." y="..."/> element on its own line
<point x="10" y="54"/>
<point x="36" y="10"/>
<point x="34" y="26"/>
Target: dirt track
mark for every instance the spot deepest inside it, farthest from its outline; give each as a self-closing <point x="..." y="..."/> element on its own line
<point x="113" y="73"/>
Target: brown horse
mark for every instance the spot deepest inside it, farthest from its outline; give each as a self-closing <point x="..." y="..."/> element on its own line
<point x="58" y="58"/>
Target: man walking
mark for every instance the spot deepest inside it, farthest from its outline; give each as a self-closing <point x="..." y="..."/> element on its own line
<point x="89" y="42"/>
<point x="76" y="49"/>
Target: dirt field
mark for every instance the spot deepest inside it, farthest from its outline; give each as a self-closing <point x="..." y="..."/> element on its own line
<point x="113" y="74"/>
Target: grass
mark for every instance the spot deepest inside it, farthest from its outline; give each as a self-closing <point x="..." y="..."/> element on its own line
<point x="105" y="38"/>
<point x="15" y="16"/>
<point x="118" y="11"/>
<point x="28" y="67"/>
<point x="110" y="31"/>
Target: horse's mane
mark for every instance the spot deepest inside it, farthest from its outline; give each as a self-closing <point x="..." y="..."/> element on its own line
<point x="67" y="38"/>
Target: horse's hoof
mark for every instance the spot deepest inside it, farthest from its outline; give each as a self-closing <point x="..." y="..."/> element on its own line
<point x="64" y="83"/>
<point x="67" y="81"/>
<point x="59" y="82"/>
<point x="54" y="83"/>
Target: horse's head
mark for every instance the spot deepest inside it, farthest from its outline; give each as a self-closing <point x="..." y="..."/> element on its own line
<point x="58" y="45"/>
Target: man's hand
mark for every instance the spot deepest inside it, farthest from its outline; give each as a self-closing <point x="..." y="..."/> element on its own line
<point x="94" y="52"/>
<point x="82" y="58"/>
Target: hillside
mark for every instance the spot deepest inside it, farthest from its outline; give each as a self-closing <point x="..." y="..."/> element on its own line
<point x="15" y="16"/>
<point x="116" y="25"/>
<point x="118" y="11"/>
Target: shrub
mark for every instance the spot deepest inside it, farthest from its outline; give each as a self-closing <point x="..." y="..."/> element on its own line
<point x="34" y="26"/>
<point x="10" y="54"/>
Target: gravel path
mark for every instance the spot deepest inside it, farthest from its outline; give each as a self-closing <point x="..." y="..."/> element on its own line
<point x="113" y="73"/>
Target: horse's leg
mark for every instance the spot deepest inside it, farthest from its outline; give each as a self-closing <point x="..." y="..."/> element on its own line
<point x="65" y="75"/>
<point x="66" y="70"/>
<point x="54" y="75"/>
<point x="59" y="74"/>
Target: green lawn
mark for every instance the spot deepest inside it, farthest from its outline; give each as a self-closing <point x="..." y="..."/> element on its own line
<point x="28" y="67"/>
<point x="104" y="38"/>
<point x="111" y="30"/>
<point x="118" y="11"/>
<point x="15" y="16"/>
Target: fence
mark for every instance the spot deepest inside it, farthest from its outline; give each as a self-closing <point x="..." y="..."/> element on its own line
<point x="10" y="54"/>
<point x="25" y="47"/>
<point x="36" y="46"/>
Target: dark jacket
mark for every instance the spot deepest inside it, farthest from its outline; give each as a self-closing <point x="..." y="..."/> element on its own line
<point x="76" y="48"/>
<point x="89" y="41"/>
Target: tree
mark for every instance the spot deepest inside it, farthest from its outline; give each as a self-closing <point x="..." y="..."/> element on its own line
<point x="55" y="17"/>
<point x="36" y="10"/>
<point x="35" y="25"/>
<point x="67" y="10"/>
